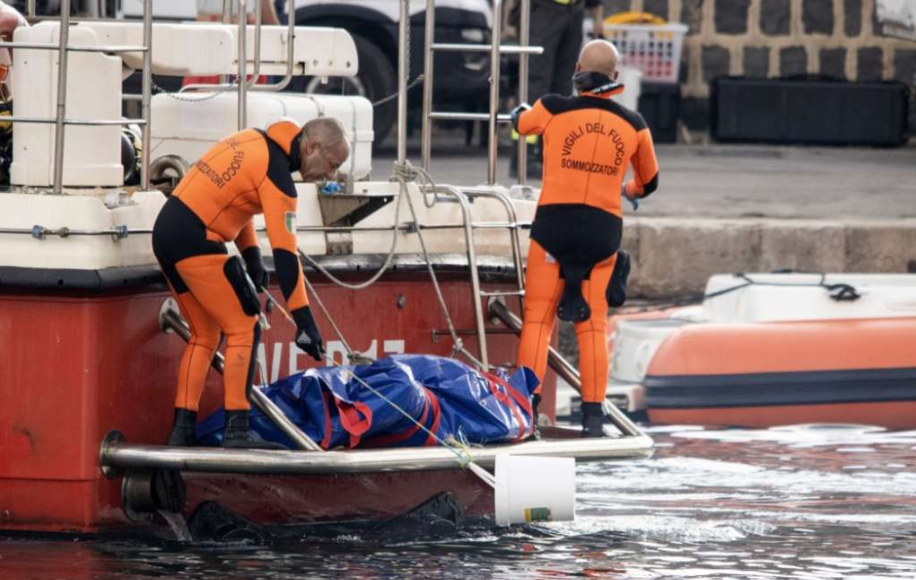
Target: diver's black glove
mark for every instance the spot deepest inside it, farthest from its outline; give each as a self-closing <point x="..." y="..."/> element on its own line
<point x="254" y="264"/>
<point x="517" y="112"/>
<point x="308" y="337"/>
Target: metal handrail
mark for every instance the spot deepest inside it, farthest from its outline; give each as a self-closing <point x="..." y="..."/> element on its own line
<point x="467" y="218"/>
<point x="290" y="56"/>
<point x="513" y="228"/>
<point x="65" y="231"/>
<point x="243" y="65"/>
<point x="114" y="453"/>
<point x="39" y="232"/>
<point x="256" y="72"/>
<point x="72" y="48"/>
<point x="85" y="122"/>
<point x="426" y="128"/>
<point x="276" y="87"/>
<point x="456" y="47"/>
<point x="523" y="50"/>
<point x="403" y="69"/>
<point x="524" y="38"/>
<point x="567" y="371"/>
<point x="227" y="19"/>
<point x="147" y="93"/>
<point x="63" y="60"/>
<point x="448" y="116"/>
<point x="493" y="144"/>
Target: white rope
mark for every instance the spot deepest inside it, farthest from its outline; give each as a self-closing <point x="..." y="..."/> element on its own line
<point x="395" y="236"/>
<point x="408" y="172"/>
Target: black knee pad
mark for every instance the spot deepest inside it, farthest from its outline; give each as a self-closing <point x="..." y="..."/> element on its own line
<point x="617" y="285"/>
<point x="242" y="285"/>
<point x="573" y="307"/>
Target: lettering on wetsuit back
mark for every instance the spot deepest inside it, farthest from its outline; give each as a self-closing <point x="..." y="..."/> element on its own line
<point x="221" y="179"/>
<point x="616" y="143"/>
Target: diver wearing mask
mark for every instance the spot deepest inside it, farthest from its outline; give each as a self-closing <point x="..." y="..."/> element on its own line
<point x="589" y="143"/>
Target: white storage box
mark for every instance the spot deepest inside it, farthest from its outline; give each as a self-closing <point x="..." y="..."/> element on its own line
<point x="188" y="124"/>
<point x="92" y="155"/>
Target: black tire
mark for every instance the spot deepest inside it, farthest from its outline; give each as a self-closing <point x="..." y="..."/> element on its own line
<point x="375" y="80"/>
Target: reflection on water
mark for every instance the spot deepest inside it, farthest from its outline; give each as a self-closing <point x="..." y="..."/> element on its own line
<point x="801" y="504"/>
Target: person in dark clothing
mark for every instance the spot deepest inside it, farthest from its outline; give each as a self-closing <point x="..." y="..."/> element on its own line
<point x="556" y="26"/>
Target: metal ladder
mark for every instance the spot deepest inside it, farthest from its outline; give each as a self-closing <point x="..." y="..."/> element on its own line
<point x="523" y="50"/>
<point x="465" y="196"/>
<point x="60" y="121"/>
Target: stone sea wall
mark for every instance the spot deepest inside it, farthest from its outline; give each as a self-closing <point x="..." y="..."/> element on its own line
<point x="777" y="38"/>
<point x="674" y="257"/>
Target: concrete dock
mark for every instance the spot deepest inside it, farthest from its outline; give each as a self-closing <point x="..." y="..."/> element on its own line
<point x="748" y="208"/>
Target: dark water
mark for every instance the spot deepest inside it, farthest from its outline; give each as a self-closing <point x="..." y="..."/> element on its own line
<point x="811" y="504"/>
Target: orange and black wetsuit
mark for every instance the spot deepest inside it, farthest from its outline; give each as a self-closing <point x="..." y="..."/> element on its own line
<point x="247" y="173"/>
<point x="589" y="141"/>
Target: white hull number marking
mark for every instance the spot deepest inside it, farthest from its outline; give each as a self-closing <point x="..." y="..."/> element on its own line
<point x="335" y="351"/>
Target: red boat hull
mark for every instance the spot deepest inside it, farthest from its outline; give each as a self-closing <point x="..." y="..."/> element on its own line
<point x="286" y="499"/>
<point x="77" y="366"/>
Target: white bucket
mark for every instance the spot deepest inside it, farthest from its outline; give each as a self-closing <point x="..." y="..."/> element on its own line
<point x="532" y="489"/>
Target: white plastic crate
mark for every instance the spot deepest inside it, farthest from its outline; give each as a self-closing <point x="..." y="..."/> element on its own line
<point x="655" y="49"/>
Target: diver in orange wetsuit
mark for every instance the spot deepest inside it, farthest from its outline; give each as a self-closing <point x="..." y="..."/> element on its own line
<point x="246" y="174"/>
<point x="589" y="141"/>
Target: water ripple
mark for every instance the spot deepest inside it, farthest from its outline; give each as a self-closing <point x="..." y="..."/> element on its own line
<point x="800" y="503"/>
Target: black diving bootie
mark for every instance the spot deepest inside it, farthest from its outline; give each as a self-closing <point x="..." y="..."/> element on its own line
<point x="183" y="429"/>
<point x="238" y="436"/>
<point x="592" y="420"/>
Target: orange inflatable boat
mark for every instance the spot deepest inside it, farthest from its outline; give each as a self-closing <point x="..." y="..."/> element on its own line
<point x="776" y="350"/>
